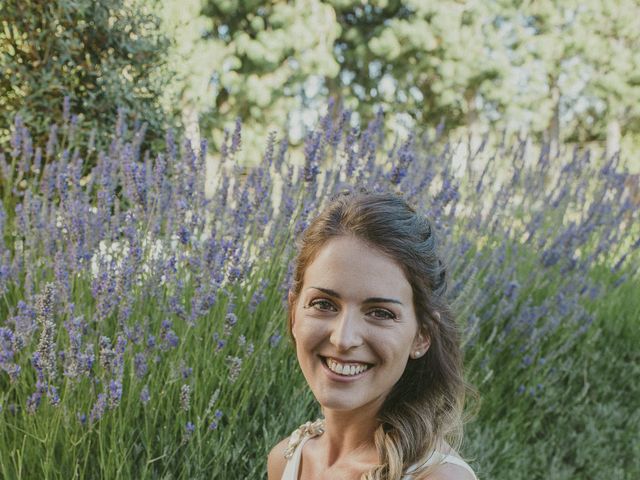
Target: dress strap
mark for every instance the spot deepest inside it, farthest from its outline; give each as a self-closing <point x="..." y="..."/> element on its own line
<point x="309" y="429"/>
<point x="438" y="458"/>
<point x="460" y="463"/>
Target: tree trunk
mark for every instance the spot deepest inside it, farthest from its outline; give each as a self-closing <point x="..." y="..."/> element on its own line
<point x="613" y="137"/>
<point x="553" y="132"/>
<point x="474" y="137"/>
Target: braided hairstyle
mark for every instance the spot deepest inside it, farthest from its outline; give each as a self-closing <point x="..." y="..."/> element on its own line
<point x="425" y="406"/>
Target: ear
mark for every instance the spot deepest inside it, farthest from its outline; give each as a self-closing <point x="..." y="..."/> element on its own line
<point x="421" y="344"/>
<point x="292" y="312"/>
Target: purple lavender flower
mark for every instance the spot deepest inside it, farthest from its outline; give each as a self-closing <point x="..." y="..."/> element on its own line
<point x="258" y="296"/>
<point x="27" y="152"/>
<point x="235" y="365"/>
<point x="144" y="395"/>
<point x="46" y="345"/>
<point x="274" y="340"/>
<point x="98" y="408"/>
<point x="121" y="344"/>
<point x="183" y="234"/>
<point x="52" y="393"/>
<point x="77" y="362"/>
<point x="186" y="371"/>
<point x="313" y="146"/>
<point x="619" y="281"/>
<point x="185" y="397"/>
<point x="189" y="428"/>
<point x="53" y="140"/>
<point x="7" y="351"/>
<point x="33" y="402"/>
<point x="140" y="365"/>
<point x="168" y="337"/>
<point x="176" y="307"/>
<point x="236" y="139"/>
<point x="511" y="289"/>
<point x="107" y="354"/>
<point x="115" y="393"/>
<point x="229" y="322"/>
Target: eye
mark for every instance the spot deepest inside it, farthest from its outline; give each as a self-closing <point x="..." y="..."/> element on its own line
<point x="321" y="303"/>
<point x="325" y="305"/>
<point x="386" y="314"/>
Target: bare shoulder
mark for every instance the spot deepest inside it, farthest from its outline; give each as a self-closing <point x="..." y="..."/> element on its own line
<point x="448" y="471"/>
<point x="276" y="461"/>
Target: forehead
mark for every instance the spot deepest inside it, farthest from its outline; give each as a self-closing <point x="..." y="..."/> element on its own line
<point x="352" y="267"/>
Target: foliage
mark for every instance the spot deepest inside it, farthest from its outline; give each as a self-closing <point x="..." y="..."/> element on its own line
<point x="100" y="54"/>
<point x="587" y="65"/>
<point x="537" y="66"/>
<point x="143" y="321"/>
<point x="386" y="53"/>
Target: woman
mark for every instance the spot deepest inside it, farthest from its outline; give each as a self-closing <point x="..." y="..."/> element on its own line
<point x="378" y="346"/>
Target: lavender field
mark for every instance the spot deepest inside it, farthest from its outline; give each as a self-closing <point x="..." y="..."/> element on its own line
<point x="142" y="320"/>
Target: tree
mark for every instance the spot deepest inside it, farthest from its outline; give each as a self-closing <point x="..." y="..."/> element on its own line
<point x="584" y="55"/>
<point x="562" y="70"/>
<point x="434" y="60"/>
<point x="612" y="53"/>
<point x="101" y="54"/>
<point x="431" y="60"/>
<point x="273" y="53"/>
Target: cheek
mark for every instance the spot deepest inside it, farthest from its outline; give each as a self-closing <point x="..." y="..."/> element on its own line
<point x="300" y="331"/>
<point x="398" y="352"/>
<point x="305" y="333"/>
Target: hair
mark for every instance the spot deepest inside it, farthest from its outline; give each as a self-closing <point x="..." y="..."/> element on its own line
<point x="425" y="406"/>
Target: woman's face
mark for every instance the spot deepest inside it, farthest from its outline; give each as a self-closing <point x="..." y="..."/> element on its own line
<point x="354" y="325"/>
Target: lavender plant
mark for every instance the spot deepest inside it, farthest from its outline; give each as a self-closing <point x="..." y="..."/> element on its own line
<point x="142" y="320"/>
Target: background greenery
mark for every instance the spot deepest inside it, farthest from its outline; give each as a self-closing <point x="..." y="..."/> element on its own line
<point x="543" y="80"/>
<point x="102" y="55"/>
<point x="559" y="70"/>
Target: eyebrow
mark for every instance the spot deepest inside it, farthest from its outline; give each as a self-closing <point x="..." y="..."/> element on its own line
<point x="333" y="293"/>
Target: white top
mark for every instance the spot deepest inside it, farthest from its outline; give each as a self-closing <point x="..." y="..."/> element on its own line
<point x="293" y="453"/>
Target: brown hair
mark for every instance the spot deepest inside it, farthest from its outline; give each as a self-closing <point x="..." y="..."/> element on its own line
<point x="425" y="405"/>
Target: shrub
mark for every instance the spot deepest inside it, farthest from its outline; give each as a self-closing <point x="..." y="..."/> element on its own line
<point x="143" y="320"/>
<point x="100" y="54"/>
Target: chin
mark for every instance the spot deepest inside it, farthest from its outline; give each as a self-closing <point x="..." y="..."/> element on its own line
<point x="344" y="403"/>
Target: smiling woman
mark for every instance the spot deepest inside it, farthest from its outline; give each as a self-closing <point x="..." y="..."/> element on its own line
<point x="378" y="346"/>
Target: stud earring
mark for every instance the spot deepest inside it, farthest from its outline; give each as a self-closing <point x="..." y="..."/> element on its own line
<point x="417" y="354"/>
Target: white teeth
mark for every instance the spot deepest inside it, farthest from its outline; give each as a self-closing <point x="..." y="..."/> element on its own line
<point x="346" y="369"/>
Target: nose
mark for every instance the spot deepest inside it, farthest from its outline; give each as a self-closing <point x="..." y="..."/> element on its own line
<point x="346" y="332"/>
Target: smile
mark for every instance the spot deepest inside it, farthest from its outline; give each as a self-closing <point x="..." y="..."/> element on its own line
<point x="345" y="369"/>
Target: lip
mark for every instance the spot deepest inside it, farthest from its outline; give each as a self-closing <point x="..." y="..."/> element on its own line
<point x="343" y="360"/>
<point x="340" y="378"/>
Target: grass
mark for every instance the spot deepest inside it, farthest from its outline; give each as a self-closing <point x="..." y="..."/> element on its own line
<point x="584" y="424"/>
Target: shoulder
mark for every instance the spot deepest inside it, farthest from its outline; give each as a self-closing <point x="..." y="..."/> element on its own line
<point x="276" y="461"/>
<point x="447" y="471"/>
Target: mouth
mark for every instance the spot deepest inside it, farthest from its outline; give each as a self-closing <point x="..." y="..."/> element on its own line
<point x="344" y="372"/>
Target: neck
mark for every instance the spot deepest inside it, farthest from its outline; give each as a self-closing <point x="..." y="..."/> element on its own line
<point x="349" y="436"/>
